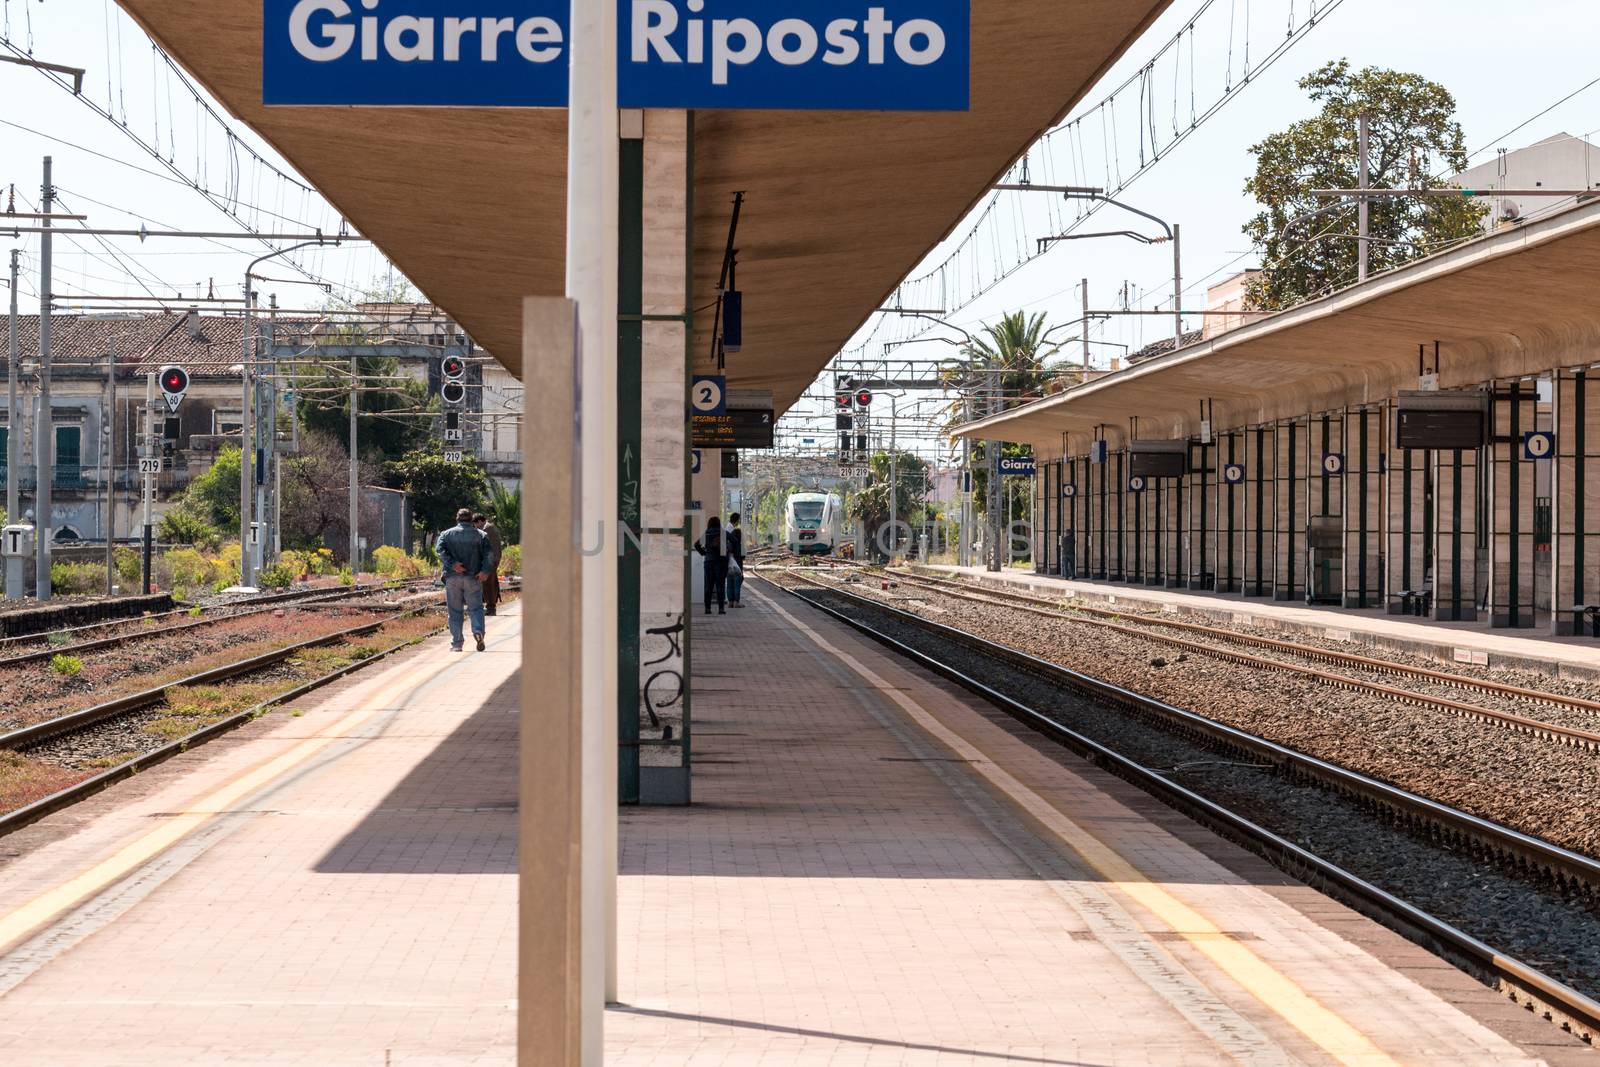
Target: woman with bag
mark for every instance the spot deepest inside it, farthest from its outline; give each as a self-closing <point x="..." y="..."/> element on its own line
<point x="735" y="538"/>
<point x="716" y="564"/>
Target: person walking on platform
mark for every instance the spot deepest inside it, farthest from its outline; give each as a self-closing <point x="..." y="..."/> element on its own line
<point x="735" y="539"/>
<point x="491" y="587"/>
<point x="711" y="547"/>
<point x="463" y="555"/>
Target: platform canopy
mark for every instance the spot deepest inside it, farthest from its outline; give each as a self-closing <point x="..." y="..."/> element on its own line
<point x="1515" y="303"/>
<point x="470" y="203"/>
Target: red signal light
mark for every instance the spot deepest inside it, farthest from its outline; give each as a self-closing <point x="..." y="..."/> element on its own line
<point x="453" y="368"/>
<point x="864" y="398"/>
<point x="174" y="380"/>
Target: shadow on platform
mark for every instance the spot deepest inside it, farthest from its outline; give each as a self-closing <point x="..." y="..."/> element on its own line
<point x="455" y="812"/>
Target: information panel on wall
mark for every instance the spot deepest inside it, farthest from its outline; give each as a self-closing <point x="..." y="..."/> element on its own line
<point x="734" y="428"/>
<point x="1440" y="420"/>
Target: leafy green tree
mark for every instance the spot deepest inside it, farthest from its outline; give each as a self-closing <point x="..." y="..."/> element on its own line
<point x="213" y="497"/>
<point x="870" y="504"/>
<point x="389" y="420"/>
<point x="1413" y="134"/>
<point x="437" y="488"/>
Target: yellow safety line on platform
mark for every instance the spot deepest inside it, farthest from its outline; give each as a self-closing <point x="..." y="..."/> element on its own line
<point x="28" y="918"/>
<point x="1265" y="983"/>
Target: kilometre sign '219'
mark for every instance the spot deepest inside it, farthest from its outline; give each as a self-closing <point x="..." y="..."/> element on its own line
<point x="835" y="54"/>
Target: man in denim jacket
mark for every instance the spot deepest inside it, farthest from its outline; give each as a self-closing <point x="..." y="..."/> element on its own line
<point x="464" y="557"/>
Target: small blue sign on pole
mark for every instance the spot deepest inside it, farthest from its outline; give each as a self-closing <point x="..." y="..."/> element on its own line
<point x="905" y="55"/>
<point x="426" y="53"/>
<point x="1538" y="444"/>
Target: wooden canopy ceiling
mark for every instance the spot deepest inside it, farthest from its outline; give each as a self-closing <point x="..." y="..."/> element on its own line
<point x="1517" y="303"/>
<point x="470" y="203"/>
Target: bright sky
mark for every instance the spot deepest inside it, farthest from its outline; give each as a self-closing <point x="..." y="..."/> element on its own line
<point x="1504" y="65"/>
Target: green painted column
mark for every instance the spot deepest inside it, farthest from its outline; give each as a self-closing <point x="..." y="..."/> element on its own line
<point x="630" y="347"/>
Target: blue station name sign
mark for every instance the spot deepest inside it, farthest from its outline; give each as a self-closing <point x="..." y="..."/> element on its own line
<point x="893" y="55"/>
<point x="727" y="54"/>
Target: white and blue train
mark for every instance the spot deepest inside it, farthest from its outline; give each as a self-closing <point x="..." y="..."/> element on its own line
<point x="813" y="523"/>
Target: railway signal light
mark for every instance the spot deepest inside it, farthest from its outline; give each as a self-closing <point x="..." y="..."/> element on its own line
<point x="842" y="400"/>
<point x="453" y="374"/>
<point x="174" y="382"/>
<point x="864" y="398"/>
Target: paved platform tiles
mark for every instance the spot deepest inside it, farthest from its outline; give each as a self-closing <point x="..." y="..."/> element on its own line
<point x="1534" y="648"/>
<point x="857" y="884"/>
<point x="334" y="888"/>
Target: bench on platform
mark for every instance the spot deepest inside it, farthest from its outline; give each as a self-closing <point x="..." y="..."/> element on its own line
<point x="1591" y="615"/>
<point x="1416" y="601"/>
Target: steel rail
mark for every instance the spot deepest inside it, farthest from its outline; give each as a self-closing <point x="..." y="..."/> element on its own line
<point x="265" y="600"/>
<point x="43" y="654"/>
<point x="1559" y="1002"/>
<point x="15" y="820"/>
<point x="1567" y="735"/>
<point x="36" y="733"/>
<point x="1563" y="864"/>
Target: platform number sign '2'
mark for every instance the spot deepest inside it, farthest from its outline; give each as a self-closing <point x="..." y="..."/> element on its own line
<point x="708" y="394"/>
<point x="911" y="55"/>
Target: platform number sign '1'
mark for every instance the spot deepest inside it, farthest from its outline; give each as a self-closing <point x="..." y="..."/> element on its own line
<point x="1538" y="444"/>
<point x="874" y="55"/>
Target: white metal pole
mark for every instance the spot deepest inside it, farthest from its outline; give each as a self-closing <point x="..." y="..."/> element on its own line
<point x="1177" y="290"/>
<point x="592" y="283"/>
<point x="894" y="481"/>
<point x="44" y="427"/>
<point x="246" y="439"/>
<point x="147" y="480"/>
<point x="355" y="488"/>
<point x="13" y="419"/>
<point x="108" y="446"/>
<point x="1363" y="245"/>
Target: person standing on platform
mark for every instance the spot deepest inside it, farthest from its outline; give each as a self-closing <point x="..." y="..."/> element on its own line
<point x="491" y="588"/>
<point x="735" y="539"/>
<point x="711" y="547"/>
<point x="463" y="555"/>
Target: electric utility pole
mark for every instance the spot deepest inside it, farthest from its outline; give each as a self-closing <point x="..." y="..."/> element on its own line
<point x="15" y="571"/>
<point x="894" y="482"/>
<point x="109" y="449"/>
<point x="1363" y="245"/>
<point x="355" y="488"/>
<point x="150" y="461"/>
<point x="44" y="425"/>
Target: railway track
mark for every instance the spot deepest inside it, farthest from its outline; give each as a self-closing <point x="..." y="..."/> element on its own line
<point x="1150" y="628"/>
<point x="140" y="630"/>
<point x="1451" y="832"/>
<point x="54" y="729"/>
<point x="140" y="626"/>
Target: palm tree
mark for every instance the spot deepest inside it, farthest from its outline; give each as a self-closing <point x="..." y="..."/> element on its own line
<point x="1002" y="366"/>
<point x="505" y="510"/>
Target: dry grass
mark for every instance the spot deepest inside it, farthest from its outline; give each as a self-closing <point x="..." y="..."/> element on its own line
<point x="22" y="780"/>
